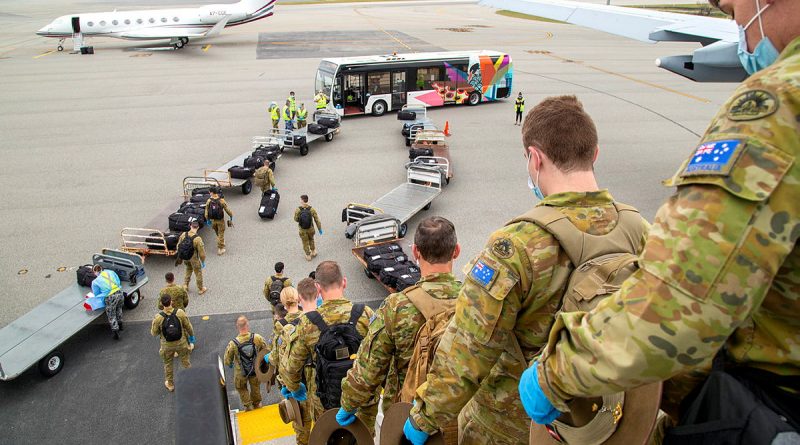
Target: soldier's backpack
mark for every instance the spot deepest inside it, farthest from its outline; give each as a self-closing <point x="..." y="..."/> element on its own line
<point x="247" y="355"/>
<point x="171" y="327"/>
<point x="215" y="211"/>
<point x="275" y="289"/>
<point x="333" y="352"/>
<point x="305" y="217"/>
<point x="437" y="313"/>
<point x="186" y="247"/>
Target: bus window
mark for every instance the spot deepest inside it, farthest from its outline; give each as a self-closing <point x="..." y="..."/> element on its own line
<point x="337" y="93"/>
<point x="354" y="92"/>
<point x="378" y="83"/>
<point x="427" y="75"/>
<point x="323" y="82"/>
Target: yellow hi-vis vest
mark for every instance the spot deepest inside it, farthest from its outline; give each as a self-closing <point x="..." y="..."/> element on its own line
<point x="275" y="113"/>
<point x="292" y="104"/>
<point x="520" y="104"/>
<point x="322" y="101"/>
<point x="111" y="283"/>
<point x="286" y="115"/>
<point x="302" y="114"/>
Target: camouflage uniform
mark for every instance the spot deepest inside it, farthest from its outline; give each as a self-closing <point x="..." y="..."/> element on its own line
<point x="386" y="350"/>
<point x="301" y="347"/>
<point x="219" y="224"/>
<point x="265" y="179"/>
<point x="721" y="265"/>
<point x="507" y="302"/>
<point x="170" y="348"/>
<point x="279" y="343"/>
<point x="195" y="264"/>
<point x="307" y="235"/>
<point x="268" y="283"/>
<point x="253" y="397"/>
<point x="178" y="295"/>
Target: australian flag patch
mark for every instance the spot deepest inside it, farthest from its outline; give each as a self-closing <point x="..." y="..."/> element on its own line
<point x="714" y="158"/>
<point x="482" y="273"/>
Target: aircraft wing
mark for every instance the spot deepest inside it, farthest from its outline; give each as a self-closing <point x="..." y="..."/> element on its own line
<point x="716" y="61"/>
<point x="163" y="32"/>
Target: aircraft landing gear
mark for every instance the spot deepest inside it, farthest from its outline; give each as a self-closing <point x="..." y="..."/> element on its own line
<point x="180" y="42"/>
<point x="60" y="44"/>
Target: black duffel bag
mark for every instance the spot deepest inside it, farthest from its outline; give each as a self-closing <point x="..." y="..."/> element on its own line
<point x="404" y="115"/>
<point x="317" y="129"/>
<point x="238" y="172"/>
<point x="85" y="275"/>
<point x="329" y="122"/>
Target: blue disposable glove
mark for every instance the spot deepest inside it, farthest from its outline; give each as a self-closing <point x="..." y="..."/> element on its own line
<point x="344" y="418"/>
<point x="533" y="399"/>
<point x="203" y="265"/>
<point x="414" y="435"/>
<point x="286" y="393"/>
<point x="274" y="189"/>
<point x="266" y="357"/>
<point x="191" y="339"/>
<point x="320" y="231"/>
<point x="231" y="365"/>
<point x="208" y="222"/>
<point x="300" y="395"/>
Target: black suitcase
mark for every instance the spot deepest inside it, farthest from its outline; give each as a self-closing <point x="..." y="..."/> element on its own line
<point x="268" y="147"/>
<point x="254" y="162"/>
<point x="317" y="129"/>
<point x="238" y="172"/>
<point x="170" y="239"/>
<point x="406" y="129"/>
<point x="269" y="204"/>
<point x="85" y="275"/>
<point x="407" y="280"/>
<point x="329" y="122"/>
<point x="404" y="115"/>
<point x="360" y="209"/>
<point x="296" y="140"/>
<point x="378" y="262"/>
<point x="378" y="250"/>
<point x="390" y="275"/>
<point x="414" y="153"/>
<point x="196" y="210"/>
<point x="272" y="155"/>
<point x="180" y="222"/>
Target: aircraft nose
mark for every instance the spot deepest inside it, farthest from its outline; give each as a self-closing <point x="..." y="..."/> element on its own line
<point x="43" y="31"/>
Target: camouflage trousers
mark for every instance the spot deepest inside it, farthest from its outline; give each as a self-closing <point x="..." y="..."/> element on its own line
<point x="311" y="390"/>
<point x="219" y="228"/>
<point x="476" y="424"/>
<point x="193" y="266"/>
<point x="369" y="413"/>
<point x="114" y="309"/>
<point x="167" y="353"/>
<point x="301" y="123"/>
<point x="307" y="237"/>
<point x="249" y="397"/>
<point x="306" y="413"/>
<point x="275" y="123"/>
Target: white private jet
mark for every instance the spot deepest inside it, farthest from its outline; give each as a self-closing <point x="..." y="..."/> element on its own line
<point x="716" y="61"/>
<point x="177" y="25"/>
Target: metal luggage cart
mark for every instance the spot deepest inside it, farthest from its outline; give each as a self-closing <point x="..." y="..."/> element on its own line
<point x="437" y="142"/>
<point x="196" y="182"/>
<point x="144" y="242"/>
<point x="437" y="162"/>
<point x="423" y="184"/>
<point x="35" y="337"/>
<point x="286" y="138"/>
<point x="375" y="230"/>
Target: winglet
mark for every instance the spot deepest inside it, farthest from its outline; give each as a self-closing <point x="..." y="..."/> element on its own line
<point x="216" y="29"/>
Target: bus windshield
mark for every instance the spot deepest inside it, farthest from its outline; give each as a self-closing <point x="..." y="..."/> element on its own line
<point x="324" y="80"/>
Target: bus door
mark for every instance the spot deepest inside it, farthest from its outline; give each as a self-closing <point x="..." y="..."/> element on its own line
<point x="398" y="89"/>
<point x="354" y="98"/>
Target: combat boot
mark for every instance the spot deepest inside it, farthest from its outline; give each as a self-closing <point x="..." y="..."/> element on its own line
<point x="314" y="253"/>
<point x="170" y="387"/>
<point x="308" y="257"/>
<point x="221" y="251"/>
<point x="115" y="334"/>
<point x="202" y="291"/>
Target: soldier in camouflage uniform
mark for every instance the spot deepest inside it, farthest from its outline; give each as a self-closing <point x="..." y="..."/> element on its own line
<point x="287" y="282"/>
<point x="507" y="304"/>
<point x="282" y="330"/>
<point x="335" y="309"/>
<point x="218" y="224"/>
<point x="264" y="177"/>
<point x="307" y="233"/>
<point x="721" y="266"/>
<point x="171" y="349"/>
<point x="384" y="354"/>
<point x="251" y="399"/>
<point x="198" y="261"/>
<point x="177" y="294"/>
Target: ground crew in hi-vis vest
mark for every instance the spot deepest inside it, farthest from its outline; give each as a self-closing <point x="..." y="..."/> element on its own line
<point x="335" y="309"/>
<point x="721" y="266"/>
<point x="383" y="358"/>
<point x="513" y="288"/>
<point x="178" y="295"/>
<point x="290" y="300"/>
<point x="519" y="108"/>
<point x="306" y="217"/>
<point x="241" y="355"/>
<point x="288" y="117"/>
<point x="292" y="102"/>
<point x="275" y="115"/>
<point x="197" y="263"/>
<point x="264" y="177"/>
<point x="321" y="100"/>
<point x="108" y="287"/>
<point x="302" y="116"/>
<point x="215" y="206"/>
<point x="181" y="347"/>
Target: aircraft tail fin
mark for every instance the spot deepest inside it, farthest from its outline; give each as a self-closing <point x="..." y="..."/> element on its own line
<point x="216" y="29"/>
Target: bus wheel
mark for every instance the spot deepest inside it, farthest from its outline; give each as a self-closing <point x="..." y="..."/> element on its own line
<point x="378" y="108"/>
<point x="474" y="98"/>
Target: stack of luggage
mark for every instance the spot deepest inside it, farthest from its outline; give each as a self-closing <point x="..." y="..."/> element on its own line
<point x="192" y="210"/>
<point x="392" y="266"/>
<point x="256" y="161"/>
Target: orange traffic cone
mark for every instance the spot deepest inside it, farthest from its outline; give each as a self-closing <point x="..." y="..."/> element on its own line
<point x="447" y="128"/>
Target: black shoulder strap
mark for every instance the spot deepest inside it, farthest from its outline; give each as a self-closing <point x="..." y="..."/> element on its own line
<point x="356" y="312"/>
<point x="316" y="318"/>
<point x="283" y="322"/>
<point x="236" y="342"/>
<point x="252" y="338"/>
<point x="163" y="314"/>
<point x="295" y="322"/>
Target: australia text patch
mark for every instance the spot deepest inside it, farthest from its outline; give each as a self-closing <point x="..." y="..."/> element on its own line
<point x="714" y="158"/>
<point x="482" y="273"/>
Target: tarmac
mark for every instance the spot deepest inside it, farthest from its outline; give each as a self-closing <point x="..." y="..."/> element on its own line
<point x="93" y="144"/>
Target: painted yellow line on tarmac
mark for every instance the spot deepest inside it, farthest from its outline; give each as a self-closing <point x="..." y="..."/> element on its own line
<point x="262" y="425"/>
<point x="382" y="30"/>
<point x="206" y="47"/>
<point x="624" y="76"/>
<point x="45" y="54"/>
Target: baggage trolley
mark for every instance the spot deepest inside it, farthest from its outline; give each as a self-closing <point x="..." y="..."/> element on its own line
<point x="34" y="338"/>
<point x="375" y="230"/>
<point x="144" y="242"/>
<point x="197" y="182"/>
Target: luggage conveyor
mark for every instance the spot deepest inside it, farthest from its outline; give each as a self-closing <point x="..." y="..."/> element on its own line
<point x="35" y="337"/>
<point x="423" y="184"/>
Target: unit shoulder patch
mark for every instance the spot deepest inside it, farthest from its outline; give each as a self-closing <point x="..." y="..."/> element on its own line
<point x="503" y="248"/>
<point x="714" y="158"/>
<point x="752" y="105"/>
<point x="483" y="274"/>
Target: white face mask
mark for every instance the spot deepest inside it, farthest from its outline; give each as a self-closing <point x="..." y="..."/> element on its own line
<point x="764" y="54"/>
<point x="534" y="185"/>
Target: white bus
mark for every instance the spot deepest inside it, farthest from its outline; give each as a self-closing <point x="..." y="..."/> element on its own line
<point x="377" y="84"/>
